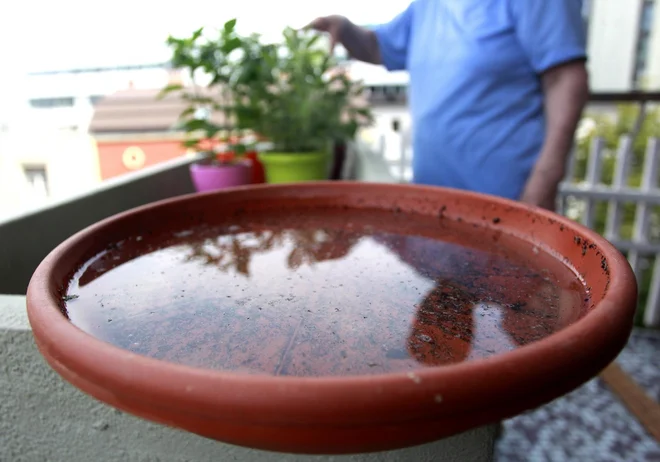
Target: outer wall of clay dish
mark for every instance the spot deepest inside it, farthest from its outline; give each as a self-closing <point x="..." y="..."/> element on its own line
<point x="343" y="414"/>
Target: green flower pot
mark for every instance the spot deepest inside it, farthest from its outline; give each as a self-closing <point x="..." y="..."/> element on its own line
<point x="296" y="167"/>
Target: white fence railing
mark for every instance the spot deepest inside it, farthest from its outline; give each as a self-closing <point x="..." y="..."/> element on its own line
<point x="636" y="233"/>
<point x="627" y="214"/>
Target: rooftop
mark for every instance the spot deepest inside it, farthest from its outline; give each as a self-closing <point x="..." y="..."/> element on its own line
<point x="84" y="70"/>
<point x="136" y="110"/>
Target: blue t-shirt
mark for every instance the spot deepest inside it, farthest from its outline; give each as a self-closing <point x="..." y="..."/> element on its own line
<point x="475" y="89"/>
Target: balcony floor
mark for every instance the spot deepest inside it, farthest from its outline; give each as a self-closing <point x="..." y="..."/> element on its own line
<point x="590" y="423"/>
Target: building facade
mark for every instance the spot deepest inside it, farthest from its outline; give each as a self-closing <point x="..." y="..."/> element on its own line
<point x="46" y="150"/>
<point x="135" y="129"/>
<point x="623" y="44"/>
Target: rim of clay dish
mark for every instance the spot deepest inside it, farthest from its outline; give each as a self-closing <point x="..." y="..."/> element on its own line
<point x="478" y="390"/>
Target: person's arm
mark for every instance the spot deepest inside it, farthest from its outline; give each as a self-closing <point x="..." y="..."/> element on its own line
<point x="387" y="44"/>
<point x="552" y="35"/>
<point x="360" y="43"/>
<point x="566" y="91"/>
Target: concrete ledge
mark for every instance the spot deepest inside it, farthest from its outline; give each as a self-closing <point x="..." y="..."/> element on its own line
<point x="46" y="419"/>
<point x="27" y="239"/>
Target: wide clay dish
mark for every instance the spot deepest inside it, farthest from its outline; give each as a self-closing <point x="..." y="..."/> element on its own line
<point x="353" y="413"/>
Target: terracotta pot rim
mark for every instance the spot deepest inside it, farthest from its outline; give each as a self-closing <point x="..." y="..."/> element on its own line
<point x="588" y="345"/>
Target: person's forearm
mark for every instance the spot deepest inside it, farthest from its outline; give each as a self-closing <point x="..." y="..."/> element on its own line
<point x="566" y="92"/>
<point x="360" y="43"/>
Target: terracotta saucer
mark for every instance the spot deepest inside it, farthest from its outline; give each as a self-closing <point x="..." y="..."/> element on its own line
<point x="355" y="413"/>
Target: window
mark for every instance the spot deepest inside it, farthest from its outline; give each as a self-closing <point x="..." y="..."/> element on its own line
<point x="37" y="179"/>
<point x="586" y="14"/>
<point x="645" y="27"/>
<point x="47" y="103"/>
<point x="95" y="99"/>
<point x="646" y="21"/>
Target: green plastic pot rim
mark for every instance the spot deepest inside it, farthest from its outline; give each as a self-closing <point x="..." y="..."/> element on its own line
<point x="287" y="157"/>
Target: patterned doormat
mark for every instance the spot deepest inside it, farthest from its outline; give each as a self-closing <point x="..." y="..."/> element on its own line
<point x="590" y="424"/>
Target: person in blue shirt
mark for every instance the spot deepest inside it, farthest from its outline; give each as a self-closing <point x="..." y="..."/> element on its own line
<point x="496" y="90"/>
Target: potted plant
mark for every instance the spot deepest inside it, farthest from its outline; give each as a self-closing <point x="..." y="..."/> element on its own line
<point x="295" y="95"/>
<point x="208" y="119"/>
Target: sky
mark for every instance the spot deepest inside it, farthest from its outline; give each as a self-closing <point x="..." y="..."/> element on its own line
<point x="47" y="35"/>
<point x="38" y="35"/>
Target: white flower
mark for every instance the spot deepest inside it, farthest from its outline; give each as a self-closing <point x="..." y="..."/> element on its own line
<point x="585" y="128"/>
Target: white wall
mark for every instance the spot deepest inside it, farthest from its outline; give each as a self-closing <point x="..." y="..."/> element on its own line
<point x="371" y="74"/>
<point x="81" y="86"/>
<point x="56" y="137"/>
<point x="86" y="83"/>
<point x="612" y="43"/>
<point x="390" y="144"/>
<point x="70" y="160"/>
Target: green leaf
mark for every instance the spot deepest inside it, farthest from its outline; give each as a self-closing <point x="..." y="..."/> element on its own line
<point x="196" y="124"/>
<point x="191" y="143"/>
<point x="187" y="112"/>
<point x="198" y="99"/>
<point x="230" y="26"/>
<point x="365" y="112"/>
<point x="169" y="89"/>
<point x="212" y="130"/>
<point x="239" y="149"/>
<point x="231" y="45"/>
<point x="197" y="34"/>
<point x="312" y="41"/>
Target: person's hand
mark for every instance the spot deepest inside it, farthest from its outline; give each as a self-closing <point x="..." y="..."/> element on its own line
<point x="332" y="25"/>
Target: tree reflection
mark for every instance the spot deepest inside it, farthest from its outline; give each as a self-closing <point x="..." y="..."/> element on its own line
<point x="235" y="252"/>
<point x="316" y="245"/>
<point x="480" y="303"/>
